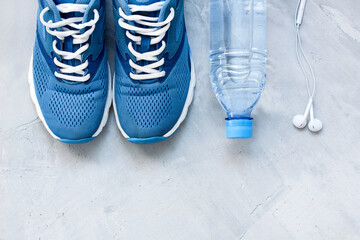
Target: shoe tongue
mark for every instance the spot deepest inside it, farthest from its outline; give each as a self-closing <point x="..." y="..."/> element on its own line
<point x="72" y="1"/>
<point x="143" y="2"/>
<point x="67" y="44"/>
<point x="145" y="43"/>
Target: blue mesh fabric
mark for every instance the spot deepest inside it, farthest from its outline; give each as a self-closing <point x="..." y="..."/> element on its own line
<point x="72" y="108"/>
<point x="119" y="74"/>
<point x="103" y="77"/>
<point x="41" y="76"/>
<point x="148" y="110"/>
<point x="118" y="89"/>
<point x="181" y="75"/>
<point x="148" y="107"/>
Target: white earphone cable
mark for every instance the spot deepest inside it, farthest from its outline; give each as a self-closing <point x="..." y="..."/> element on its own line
<point x="300" y="47"/>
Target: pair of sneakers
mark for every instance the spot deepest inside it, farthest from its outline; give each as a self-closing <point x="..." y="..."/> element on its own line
<point x="70" y="79"/>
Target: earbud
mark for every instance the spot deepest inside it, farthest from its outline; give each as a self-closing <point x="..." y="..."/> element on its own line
<point x="315" y="125"/>
<point x="300" y="121"/>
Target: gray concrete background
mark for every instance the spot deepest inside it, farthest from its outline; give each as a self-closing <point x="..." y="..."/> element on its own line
<point x="282" y="184"/>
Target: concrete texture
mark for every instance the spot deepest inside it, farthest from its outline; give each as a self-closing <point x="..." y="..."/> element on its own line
<point x="282" y="184"/>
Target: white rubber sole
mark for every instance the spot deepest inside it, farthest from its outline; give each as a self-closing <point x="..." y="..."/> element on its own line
<point x="39" y="112"/>
<point x="184" y="112"/>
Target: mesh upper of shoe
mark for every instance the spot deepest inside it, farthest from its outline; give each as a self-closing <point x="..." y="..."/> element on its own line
<point x="67" y="106"/>
<point x="41" y="75"/>
<point x="72" y="108"/>
<point x="152" y="109"/>
<point x="149" y="107"/>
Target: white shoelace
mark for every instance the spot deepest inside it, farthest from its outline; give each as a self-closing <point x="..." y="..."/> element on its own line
<point x="154" y="29"/>
<point x="67" y="71"/>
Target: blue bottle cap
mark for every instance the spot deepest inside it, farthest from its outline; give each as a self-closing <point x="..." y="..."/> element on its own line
<point x="239" y="128"/>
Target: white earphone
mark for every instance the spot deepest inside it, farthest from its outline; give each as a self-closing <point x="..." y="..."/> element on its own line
<point x="300" y="121"/>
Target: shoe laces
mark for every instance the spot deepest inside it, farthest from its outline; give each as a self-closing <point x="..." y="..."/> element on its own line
<point x="146" y="26"/>
<point x="71" y="27"/>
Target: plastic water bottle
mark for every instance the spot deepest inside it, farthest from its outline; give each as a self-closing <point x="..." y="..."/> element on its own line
<point x="238" y="60"/>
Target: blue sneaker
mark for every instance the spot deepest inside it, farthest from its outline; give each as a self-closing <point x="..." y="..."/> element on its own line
<point x="154" y="73"/>
<point x="69" y="75"/>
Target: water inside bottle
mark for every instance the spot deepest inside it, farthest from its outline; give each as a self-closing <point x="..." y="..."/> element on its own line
<point x="238" y="53"/>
